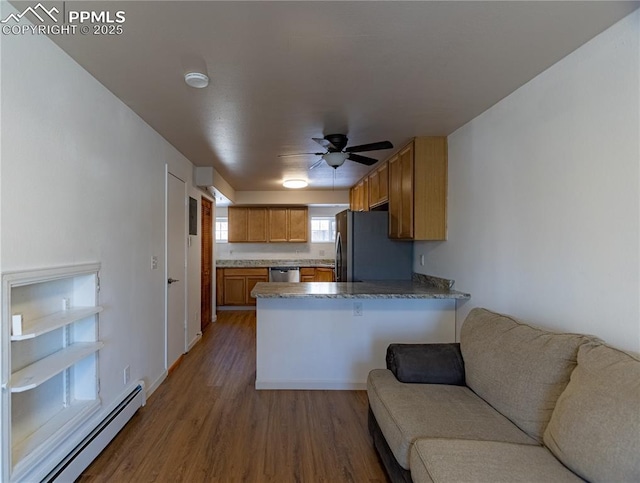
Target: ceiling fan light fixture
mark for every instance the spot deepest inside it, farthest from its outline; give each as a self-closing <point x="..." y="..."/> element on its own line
<point x="335" y="159"/>
<point x="295" y="183"/>
<point x="196" y="79"/>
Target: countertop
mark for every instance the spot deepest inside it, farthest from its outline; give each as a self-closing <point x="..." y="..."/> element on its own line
<point x="316" y="262"/>
<point x="388" y="289"/>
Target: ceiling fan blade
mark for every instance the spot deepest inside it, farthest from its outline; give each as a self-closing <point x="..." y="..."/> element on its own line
<point x="315" y="165"/>
<point x="369" y="147"/>
<point x="362" y="159"/>
<point x="299" y="154"/>
<point x="324" y="143"/>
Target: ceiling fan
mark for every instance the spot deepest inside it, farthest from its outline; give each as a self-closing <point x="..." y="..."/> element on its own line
<point x="337" y="152"/>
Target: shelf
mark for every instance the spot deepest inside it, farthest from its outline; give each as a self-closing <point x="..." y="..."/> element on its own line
<point x="44" y="369"/>
<point x="37" y="327"/>
<point x="66" y="419"/>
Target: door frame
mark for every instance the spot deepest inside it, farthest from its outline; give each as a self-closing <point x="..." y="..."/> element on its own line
<point x="212" y="269"/>
<point x="183" y="272"/>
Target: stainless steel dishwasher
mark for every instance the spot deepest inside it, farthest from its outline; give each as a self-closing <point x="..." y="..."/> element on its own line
<point x="284" y="274"/>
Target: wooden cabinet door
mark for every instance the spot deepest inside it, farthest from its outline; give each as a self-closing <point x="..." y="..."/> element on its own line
<point x="251" y="282"/>
<point x="406" y="192"/>
<point x="374" y="188"/>
<point x="365" y="194"/>
<point x="357" y="190"/>
<point x="383" y="183"/>
<point x="235" y="290"/>
<point x="278" y="224"/>
<point x="257" y="225"/>
<point x="324" y="274"/>
<point x="298" y="222"/>
<point x="307" y="274"/>
<point x="219" y="286"/>
<point x="395" y="197"/>
<point x="238" y="224"/>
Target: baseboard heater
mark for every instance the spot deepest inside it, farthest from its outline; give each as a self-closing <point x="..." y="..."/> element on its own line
<point x="84" y="453"/>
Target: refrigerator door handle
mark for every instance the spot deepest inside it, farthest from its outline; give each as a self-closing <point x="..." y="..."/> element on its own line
<point x="337" y="267"/>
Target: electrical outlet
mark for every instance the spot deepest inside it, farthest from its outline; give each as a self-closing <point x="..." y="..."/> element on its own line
<point x="322" y="253"/>
<point x="66" y="303"/>
<point x="357" y="309"/>
<point x="422" y="260"/>
<point x="154" y="262"/>
<point x="127" y="374"/>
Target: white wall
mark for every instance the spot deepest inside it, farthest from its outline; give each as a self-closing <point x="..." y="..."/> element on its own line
<point x="83" y="180"/>
<point x="319" y="343"/>
<point x="544" y="214"/>
<point x="273" y="251"/>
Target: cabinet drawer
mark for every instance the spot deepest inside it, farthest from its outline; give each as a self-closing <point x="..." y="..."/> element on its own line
<point x="307" y="271"/>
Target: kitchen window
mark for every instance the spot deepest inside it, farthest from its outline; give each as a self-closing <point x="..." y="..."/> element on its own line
<point x="323" y="229"/>
<point x="222" y="229"/>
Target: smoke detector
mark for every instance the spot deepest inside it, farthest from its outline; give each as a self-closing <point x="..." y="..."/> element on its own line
<point x="196" y="79"/>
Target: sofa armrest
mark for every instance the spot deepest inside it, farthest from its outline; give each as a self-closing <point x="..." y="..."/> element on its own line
<point x="426" y="363"/>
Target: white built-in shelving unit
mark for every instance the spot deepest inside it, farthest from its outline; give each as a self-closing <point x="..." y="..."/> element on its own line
<point x="49" y="372"/>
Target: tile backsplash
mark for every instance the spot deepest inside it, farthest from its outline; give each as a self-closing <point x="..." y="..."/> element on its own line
<point x="268" y="251"/>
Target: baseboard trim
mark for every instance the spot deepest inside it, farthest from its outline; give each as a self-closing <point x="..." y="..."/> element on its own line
<point x="312" y="385"/>
<point x="175" y="365"/>
<point x="156" y="384"/>
<point x="194" y="341"/>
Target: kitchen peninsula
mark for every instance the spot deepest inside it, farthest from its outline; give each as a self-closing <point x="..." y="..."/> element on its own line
<point x="330" y="335"/>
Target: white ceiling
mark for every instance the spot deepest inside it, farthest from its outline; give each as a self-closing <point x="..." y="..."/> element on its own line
<point x="284" y="72"/>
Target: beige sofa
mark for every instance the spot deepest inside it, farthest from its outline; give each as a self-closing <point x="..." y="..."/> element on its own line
<point x="510" y="403"/>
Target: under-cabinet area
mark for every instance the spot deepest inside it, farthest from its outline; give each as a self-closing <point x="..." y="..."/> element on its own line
<point x="50" y="343"/>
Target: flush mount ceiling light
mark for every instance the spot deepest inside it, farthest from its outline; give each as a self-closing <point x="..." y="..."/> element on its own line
<point x="335" y="159"/>
<point x="295" y="183"/>
<point x="196" y="79"/>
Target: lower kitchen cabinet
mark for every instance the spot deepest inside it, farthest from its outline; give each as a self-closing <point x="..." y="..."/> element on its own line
<point x="324" y="274"/>
<point x="234" y="285"/>
<point x="307" y="274"/>
<point x="317" y="274"/>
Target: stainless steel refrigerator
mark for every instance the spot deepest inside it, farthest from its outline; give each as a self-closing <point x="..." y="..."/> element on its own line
<point x="364" y="250"/>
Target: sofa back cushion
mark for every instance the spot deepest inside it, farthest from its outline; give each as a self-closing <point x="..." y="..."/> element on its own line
<point x="519" y="369"/>
<point x="595" y="427"/>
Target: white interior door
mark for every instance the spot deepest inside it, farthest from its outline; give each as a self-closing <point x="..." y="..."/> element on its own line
<point x="176" y="269"/>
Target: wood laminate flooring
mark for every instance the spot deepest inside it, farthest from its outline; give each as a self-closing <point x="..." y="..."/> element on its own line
<point x="207" y="423"/>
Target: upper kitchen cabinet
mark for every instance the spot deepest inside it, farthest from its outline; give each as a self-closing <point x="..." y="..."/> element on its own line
<point x="379" y="185"/>
<point x="298" y="218"/>
<point x="359" y="196"/>
<point x="418" y="190"/>
<point x="248" y="224"/>
<point x="261" y="224"/>
<point x="289" y="224"/>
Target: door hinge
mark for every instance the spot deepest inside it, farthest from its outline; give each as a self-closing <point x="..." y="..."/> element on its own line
<point x="98" y="283"/>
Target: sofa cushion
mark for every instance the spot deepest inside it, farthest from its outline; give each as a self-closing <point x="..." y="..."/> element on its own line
<point x="595" y="427"/>
<point x="519" y="369"/>
<point x="484" y="461"/>
<point x="406" y="412"/>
